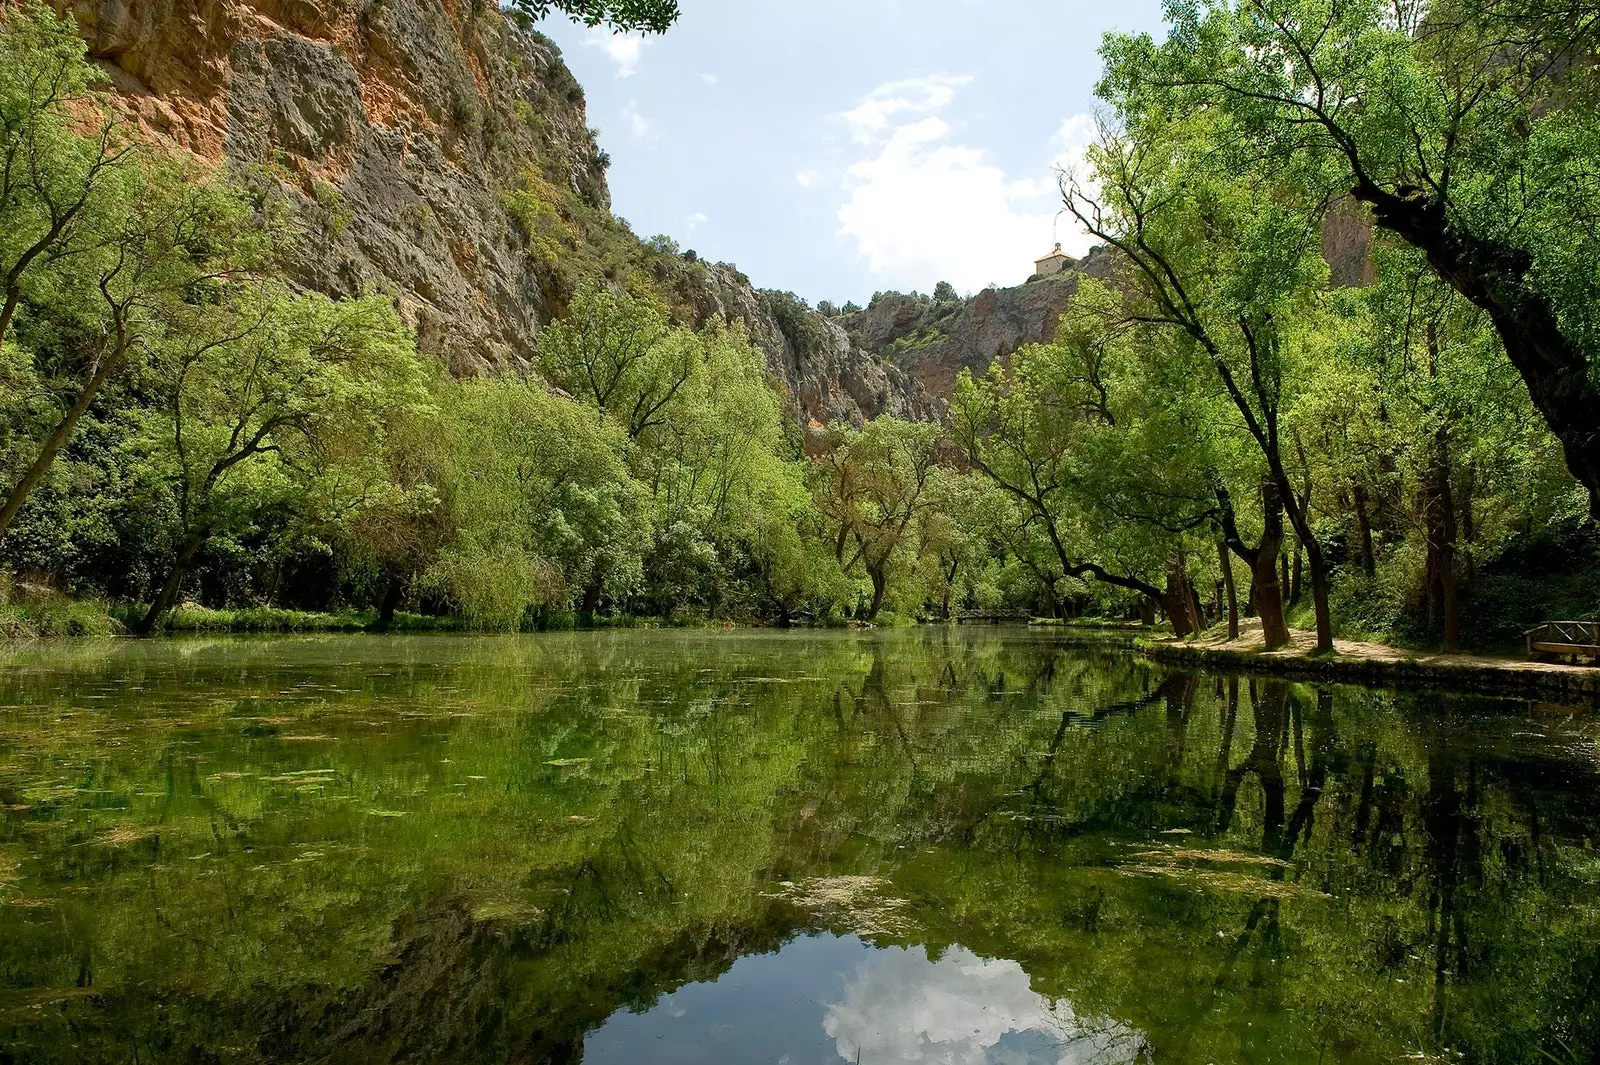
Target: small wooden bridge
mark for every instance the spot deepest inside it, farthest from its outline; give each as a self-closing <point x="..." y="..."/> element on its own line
<point x="1580" y="639"/>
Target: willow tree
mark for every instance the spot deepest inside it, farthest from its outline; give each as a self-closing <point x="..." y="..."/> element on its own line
<point x="1223" y="260"/>
<point x="269" y="401"/>
<point x="871" y="484"/>
<point x="1470" y="128"/>
<point x="1100" y="453"/>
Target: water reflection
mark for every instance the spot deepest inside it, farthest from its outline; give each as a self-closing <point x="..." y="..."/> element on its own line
<point x="921" y="847"/>
<point x="901" y="1008"/>
<point x="823" y="999"/>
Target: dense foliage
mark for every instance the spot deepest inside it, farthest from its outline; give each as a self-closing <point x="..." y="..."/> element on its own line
<point x="1223" y="426"/>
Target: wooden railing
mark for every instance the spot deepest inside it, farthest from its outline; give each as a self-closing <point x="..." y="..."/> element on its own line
<point x="1581" y="639"/>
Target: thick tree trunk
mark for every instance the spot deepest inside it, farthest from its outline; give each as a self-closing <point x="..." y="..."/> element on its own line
<point x="167" y="598"/>
<point x="1295" y="573"/>
<point x="56" y="441"/>
<point x="1494" y="276"/>
<point x="1369" y="563"/>
<point x="1266" y="593"/>
<point x="590" y="605"/>
<point x="1268" y="596"/>
<point x="1178" y="599"/>
<point x="1265" y="590"/>
<point x="1231" y="588"/>
<point x="1319" y="596"/>
<point x="880" y="581"/>
<point x="392" y="596"/>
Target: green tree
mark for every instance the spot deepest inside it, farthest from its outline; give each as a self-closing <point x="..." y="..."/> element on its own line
<point x="1470" y="130"/>
<point x="870" y="484"/>
<point x="1225" y="261"/>
<point x="620" y="354"/>
<point x="646" y="16"/>
<point x="546" y="515"/>
<point x="1054" y="428"/>
<point x="273" y="400"/>
<point x="52" y="178"/>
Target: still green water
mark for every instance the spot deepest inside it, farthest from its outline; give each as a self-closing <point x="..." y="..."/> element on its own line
<point x="969" y="847"/>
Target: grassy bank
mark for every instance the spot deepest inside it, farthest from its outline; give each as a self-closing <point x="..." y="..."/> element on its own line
<point x="55" y="618"/>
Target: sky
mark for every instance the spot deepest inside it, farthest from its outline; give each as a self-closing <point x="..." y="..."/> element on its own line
<point x="835" y="148"/>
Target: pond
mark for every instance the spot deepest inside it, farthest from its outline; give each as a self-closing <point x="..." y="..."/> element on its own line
<point x="967" y="847"/>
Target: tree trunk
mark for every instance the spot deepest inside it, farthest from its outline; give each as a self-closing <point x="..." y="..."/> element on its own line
<point x="56" y="440"/>
<point x="1369" y="562"/>
<point x="1494" y="276"/>
<point x="392" y="595"/>
<point x="1319" y="596"/>
<point x="590" y="605"/>
<point x="1295" y="574"/>
<point x="1268" y="596"/>
<point x="1178" y="599"/>
<point x="1266" y="593"/>
<point x="1314" y="558"/>
<point x="1265" y="590"/>
<point x="1231" y="588"/>
<point x="1440" y="517"/>
<point x="167" y="598"/>
<point x="880" y="581"/>
<point x="1439" y="513"/>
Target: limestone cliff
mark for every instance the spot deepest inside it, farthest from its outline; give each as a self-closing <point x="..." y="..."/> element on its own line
<point x="431" y="149"/>
<point x="932" y="342"/>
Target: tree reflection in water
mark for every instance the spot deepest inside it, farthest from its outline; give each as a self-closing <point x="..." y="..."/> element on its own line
<point x="430" y="850"/>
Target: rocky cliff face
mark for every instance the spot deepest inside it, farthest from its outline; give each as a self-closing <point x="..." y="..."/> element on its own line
<point x="431" y="149"/>
<point x="393" y="128"/>
<point x="933" y="342"/>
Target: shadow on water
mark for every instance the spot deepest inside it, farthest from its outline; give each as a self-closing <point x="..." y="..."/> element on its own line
<point x="968" y="846"/>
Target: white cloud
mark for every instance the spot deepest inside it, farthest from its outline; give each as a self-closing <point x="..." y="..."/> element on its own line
<point x="637" y="123"/>
<point x="709" y="79"/>
<point x="807" y="178"/>
<point x="900" y="1008"/>
<point x="695" y="221"/>
<point x="623" y="49"/>
<point x="924" y="208"/>
<point x="1072" y="142"/>
<point x="870" y="118"/>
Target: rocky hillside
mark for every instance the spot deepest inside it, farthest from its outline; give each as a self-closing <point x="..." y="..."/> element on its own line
<point x="431" y="149"/>
<point x="933" y="341"/>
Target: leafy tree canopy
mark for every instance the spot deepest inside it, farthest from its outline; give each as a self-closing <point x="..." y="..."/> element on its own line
<point x="623" y="16"/>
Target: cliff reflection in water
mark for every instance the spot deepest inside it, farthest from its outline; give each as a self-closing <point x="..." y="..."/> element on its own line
<point x="969" y="846"/>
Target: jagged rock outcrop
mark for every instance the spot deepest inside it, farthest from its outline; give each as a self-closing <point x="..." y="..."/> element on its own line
<point x="829" y="377"/>
<point x="399" y="133"/>
<point x="933" y="342"/>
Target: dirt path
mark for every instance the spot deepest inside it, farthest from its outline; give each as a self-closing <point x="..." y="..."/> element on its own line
<point x="1378" y="662"/>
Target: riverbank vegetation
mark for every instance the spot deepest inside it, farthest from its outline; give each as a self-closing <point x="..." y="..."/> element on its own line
<point x="1395" y="446"/>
